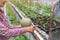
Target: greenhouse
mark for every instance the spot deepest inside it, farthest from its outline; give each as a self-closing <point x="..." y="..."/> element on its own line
<point x="43" y="13"/>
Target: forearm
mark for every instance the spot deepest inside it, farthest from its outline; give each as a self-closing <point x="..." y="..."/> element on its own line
<point x="12" y="31"/>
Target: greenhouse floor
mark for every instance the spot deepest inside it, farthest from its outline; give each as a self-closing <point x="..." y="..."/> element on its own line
<point x="55" y="35"/>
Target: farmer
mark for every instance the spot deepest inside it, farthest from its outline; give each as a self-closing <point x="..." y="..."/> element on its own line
<point x="6" y="31"/>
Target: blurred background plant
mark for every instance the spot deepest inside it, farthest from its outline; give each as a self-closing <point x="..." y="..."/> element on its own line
<point x="31" y="9"/>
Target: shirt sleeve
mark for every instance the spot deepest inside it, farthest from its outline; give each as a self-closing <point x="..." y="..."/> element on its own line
<point x="14" y="31"/>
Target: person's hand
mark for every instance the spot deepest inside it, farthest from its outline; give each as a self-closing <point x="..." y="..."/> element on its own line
<point x="31" y="28"/>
